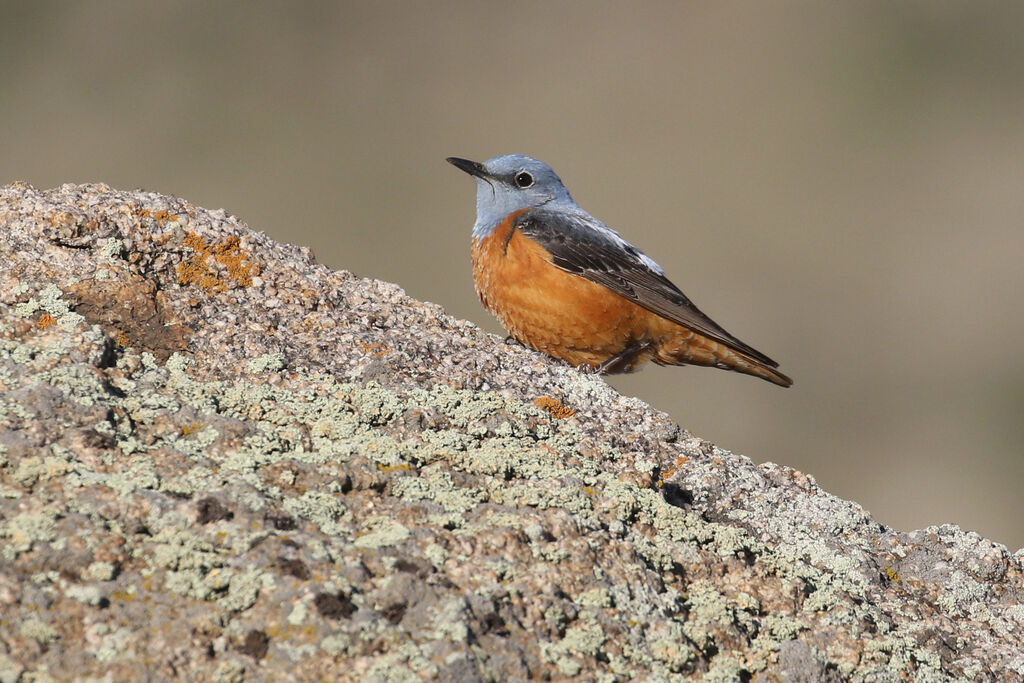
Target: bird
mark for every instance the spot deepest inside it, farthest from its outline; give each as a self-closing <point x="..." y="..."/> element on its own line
<point x="563" y="283"/>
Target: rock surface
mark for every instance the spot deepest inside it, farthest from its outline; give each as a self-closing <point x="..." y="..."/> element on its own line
<point x="222" y="461"/>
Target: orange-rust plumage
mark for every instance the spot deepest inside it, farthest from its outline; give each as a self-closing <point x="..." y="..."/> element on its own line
<point x="564" y="283"/>
<point x="581" y="322"/>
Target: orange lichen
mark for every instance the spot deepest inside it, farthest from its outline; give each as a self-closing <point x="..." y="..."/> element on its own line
<point x="667" y="473"/>
<point x="191" y="428"/>
<point x="375" y="350"/>
<point x="123" y="339"/>
<point x="45" y="320"/>
<point x="554" y="407"/>
<point x="892" y="575"/>
<point x="197" y="270"/>
<point x="160" y="217"/>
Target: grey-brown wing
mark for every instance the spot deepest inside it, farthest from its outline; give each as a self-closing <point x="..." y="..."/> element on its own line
<point x="578" y="247"/>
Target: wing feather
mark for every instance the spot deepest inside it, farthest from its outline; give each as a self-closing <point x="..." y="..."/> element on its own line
<point x="581" y="245"/>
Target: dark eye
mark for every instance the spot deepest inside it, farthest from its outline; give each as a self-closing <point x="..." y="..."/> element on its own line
<point x="523" y="179"/>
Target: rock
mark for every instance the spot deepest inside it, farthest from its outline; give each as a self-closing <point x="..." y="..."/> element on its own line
<point x="220" y="460"/>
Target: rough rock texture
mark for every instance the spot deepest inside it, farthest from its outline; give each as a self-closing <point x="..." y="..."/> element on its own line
<point x="220" y="460"/>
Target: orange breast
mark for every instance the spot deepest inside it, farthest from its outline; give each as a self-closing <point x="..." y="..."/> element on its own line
<point x="563" y="315"/>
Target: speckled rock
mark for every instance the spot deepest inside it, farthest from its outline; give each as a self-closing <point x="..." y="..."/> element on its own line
<point x="222" y="461"/>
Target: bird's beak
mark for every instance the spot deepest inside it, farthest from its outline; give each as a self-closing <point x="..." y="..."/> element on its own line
<point x="473" y="168"/>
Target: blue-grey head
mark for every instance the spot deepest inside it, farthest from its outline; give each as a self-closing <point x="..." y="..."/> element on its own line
<point x="510" y="183"/>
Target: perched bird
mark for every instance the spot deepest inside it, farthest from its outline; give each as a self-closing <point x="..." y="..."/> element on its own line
<point x="566" y="284"/>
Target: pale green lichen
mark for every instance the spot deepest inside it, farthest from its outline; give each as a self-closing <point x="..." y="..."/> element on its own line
<point x="78" y="383"/>
<point x="725" y="668"/>
<point x="436" y="554"/>
<point x="114" y="644"/>
<point x="268" y="362"/>
<point x="667" y="644"/>
<point x="298" y="614"/>
<point x="822" y="600"/>
<point x="449" y="620"/>
<point x="230" y="671"/>
<point x="51" y="301"/>
<point x="437" y="485"/>
<point x="555" y="618"/>
<point x="586" y="639"/>
<point x="376" y="406"/>
<point x="595" y="597"/>
<point x="90" y="595"/>
<point x="423" y="666"/>
<point x="781" y="627"/>
<point x="44" y="577"/>
<point x="708" y="609"/>
<point x="193" y="564"/>
<point x="390" y="668"/>
<point x="1016" y="612"/>
<point x="447" y="441"/>
<point x="195" y="480"/>
<point x="959" y="593"/>
<point x="551" y="553"/>
<point x="140" y="474"/>
<point x="196" y="584"/>
<point x="10" y="493"/>
<point x="10" y="670"/>
<point x="454" y="521"/>
<point x="39" y="631"/>
<point x="568" y="667"/>
<point x="176" y="366"/>
<point x="197" y="442"/>
<point x="383" y="532"/>
<point x="627" y="500"/>
<point x="29" y="471"/>
<point x="112" y="248"/>
<point x="26" y="529"/>
<point x="328" y="512"/>
<point x="243" y="590"/>
<point x="337" y="645"/>
<point x="27" y="308"/>
<point x="99" y="571"/>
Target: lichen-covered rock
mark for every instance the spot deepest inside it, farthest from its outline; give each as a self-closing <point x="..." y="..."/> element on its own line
<point x="220" y="460"/>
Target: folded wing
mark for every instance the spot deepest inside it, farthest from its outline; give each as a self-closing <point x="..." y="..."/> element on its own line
<point x="581" y="245"/>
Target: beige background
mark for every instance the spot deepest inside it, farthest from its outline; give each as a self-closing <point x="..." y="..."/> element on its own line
<point x="839" y="184"/>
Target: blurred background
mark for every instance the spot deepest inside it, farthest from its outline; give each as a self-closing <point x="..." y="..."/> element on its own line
<point x="841" y="185"/>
